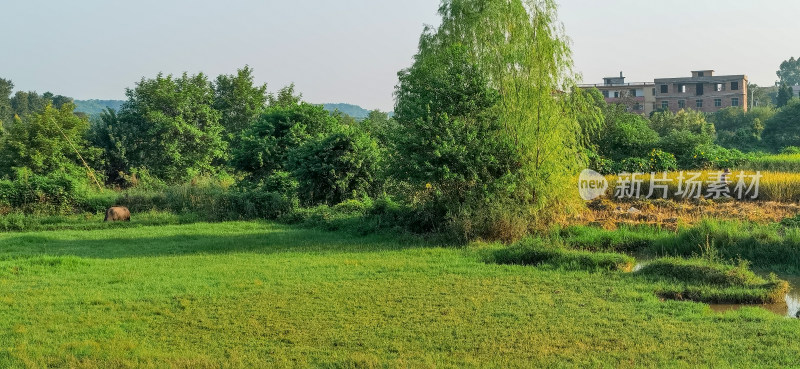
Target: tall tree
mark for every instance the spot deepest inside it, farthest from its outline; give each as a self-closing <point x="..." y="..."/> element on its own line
<point x="170" y="127"/>
<point x="238" y="100"/>
<point x="6" y="112"/>
<point x="106" y="134"/>
<point x="789" y="72"/>
<point x="519" y="48"/>
<point x="785" y="94"/>
<point x="285" y="97"/>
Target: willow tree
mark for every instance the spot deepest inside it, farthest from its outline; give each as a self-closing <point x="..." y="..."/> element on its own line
<point x="521" y="54"/>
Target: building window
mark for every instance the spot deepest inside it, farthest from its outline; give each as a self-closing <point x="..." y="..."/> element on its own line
<point x="654" y="106"/>
<point x="701" y="74"/>
<point x="734" y="86"/>
<point x="665" y="105"/>
<point x="717" y="103"/>
<point x="719" y="87"/>
<point x="735" y="101"/>
<point x="654" y="91"/>
<point x="633" y="93"/>
<point x="664" y="89"/>
<point x="699" y="103"/>
<point x="616" y="94"/>
<point x="605" y="93"/>
<point x="681" y="104"/>
<point x="637" y="107"/>
<point x="682" y="89"/>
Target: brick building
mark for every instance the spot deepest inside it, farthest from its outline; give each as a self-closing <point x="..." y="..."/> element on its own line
<point x="702" y="91"/>
<point x="638" y="97"/>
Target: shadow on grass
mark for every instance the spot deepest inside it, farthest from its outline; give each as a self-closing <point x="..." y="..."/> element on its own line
<point x="199" y="238"/>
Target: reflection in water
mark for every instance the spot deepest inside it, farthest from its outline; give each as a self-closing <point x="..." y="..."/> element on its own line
<point x="790" y="308"/>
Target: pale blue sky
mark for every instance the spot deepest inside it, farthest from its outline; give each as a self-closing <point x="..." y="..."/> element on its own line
<point x="350" y="51"/>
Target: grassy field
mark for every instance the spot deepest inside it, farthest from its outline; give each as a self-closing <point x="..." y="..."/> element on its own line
<point x="248" y="294"/>
<point x="775" y="163"/>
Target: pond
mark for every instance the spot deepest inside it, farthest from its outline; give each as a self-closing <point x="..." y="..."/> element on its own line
<point x="789" y="308"/>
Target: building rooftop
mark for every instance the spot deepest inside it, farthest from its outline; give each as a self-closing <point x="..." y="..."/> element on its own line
<point x="702" y="79"/>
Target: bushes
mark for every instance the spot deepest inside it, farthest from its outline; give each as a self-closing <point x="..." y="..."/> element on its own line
<point x="341" y="166"/>
<point x="783" y="129"/>
<point x="212" y="201"/>
<point x="714" y="157"/>
<point x="54" y="193"/>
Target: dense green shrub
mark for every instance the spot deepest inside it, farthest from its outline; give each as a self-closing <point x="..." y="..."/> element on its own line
<point x="265" y="147"/>
<point x="739" y="129"/>
<point x="46" y="142"/>
<point x="790" y="150"/>
<point x="714" y="157"/>
<point x="341" y="166"/>
<point x="661" y="161"/>
<point x="783" y="129"/>
<point x="169" y="127"/>
<point x="625" y="136"/>
<point x="54" y="193"/>
<point x="632" y="165"/>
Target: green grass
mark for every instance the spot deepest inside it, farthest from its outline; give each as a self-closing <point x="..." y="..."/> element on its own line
<point x="712" y="281"/>
<point x="253" y="294"/>
<point x="773" y="163"/>
<point x="771" y="246"/>
<point x="18" y="222"/>
<point x="543" y="253"/>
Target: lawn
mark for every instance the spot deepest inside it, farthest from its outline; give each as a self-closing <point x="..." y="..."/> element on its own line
<point x="254" y="294"/>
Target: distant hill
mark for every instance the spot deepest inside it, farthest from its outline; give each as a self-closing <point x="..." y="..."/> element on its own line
<point x="354" y="111"/>
<point x="95" y="107"/>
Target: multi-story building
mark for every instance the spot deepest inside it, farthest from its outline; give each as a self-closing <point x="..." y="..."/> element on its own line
<point x="702" y="91"/>
<point x="638" y="97"/>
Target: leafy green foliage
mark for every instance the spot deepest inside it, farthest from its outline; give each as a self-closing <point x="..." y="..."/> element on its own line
<point x="626" y="135"/>
<point x="789" y="72"/>
<point x="785" y="94"/>
<point x="6" y="111"/>
<point x="169" y="126"/>
<point x="46" y="142"/>
<point x="739" y="129"/>
<point x="283" y="127"/>
<point x="483" y="124"/>
<point x="238" y="101"/>
<point x="682" y="133"/>
<point x="344" y="165"/>
<point x="783" y="129"/>
<point x="103" y="135"/>
<point x="714" y="157"/>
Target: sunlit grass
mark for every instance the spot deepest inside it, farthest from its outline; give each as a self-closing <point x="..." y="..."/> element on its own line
<point x="253" y="294"/>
